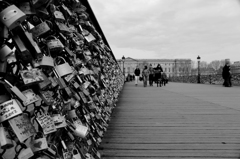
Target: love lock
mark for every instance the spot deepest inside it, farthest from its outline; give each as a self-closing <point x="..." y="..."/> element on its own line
<point x="39" y="143"/>
<point x="12" y="16"/>
<point x="64" y="68"/>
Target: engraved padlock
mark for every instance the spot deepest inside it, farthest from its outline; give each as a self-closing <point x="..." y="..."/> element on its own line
<point x="9" y="109"/>
<point x="64" y="68"/>
<point x="12" y="16"/>
<point x="5" y="52"/>
<point x="39" y="142"/>
<point x="5" y="140"/>
<point x="54" y="44"/>
<point x="32" y="76"/>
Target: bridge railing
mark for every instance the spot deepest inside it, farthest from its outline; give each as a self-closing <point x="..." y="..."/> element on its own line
<point x="206" y="79"/>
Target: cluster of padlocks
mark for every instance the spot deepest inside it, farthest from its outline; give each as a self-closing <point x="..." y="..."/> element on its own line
<point x="59" y="81"/>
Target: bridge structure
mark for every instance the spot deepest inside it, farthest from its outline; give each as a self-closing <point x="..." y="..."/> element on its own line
<point x="176" y="121"/>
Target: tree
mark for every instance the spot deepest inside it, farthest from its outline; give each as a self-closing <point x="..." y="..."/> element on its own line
<point x="215" y="64"/>
<point x="203" y="64"/>
<point x="193" y="64"/>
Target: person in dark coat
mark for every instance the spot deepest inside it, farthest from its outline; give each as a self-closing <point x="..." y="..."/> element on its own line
<point x="158" y="71"/>
<point x="137" y="74"/>
<point x="226" y="74"/>
<point x="151" y="75"/>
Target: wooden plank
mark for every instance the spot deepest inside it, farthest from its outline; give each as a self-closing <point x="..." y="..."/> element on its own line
<point x="150" y="146"/>
<point x="164" y="123"/>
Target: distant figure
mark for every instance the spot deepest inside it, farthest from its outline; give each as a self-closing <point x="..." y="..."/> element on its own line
<point x="145" y="74"/>
<point x="164" y="79"/>
<point x="158" y="71"/>
<point x="226" y="74"/>
<point x="151" y="75"/>
<point x="137" y="73"/>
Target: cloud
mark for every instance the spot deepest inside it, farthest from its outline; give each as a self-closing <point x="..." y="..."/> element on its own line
<point x="171" y="28"/>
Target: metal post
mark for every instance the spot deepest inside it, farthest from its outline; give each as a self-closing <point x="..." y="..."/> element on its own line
<point x="198" y="71"/>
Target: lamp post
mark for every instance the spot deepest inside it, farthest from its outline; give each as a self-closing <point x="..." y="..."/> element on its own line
<point x="198" y="59"/>
<point x="123" y="60"/>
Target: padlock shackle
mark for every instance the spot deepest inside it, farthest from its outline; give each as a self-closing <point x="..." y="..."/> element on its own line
<point x="59" y="57"/>
<point x="51" y="37"/>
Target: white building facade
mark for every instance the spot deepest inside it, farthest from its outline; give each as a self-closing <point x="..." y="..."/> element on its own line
<point x="172" y="67"/>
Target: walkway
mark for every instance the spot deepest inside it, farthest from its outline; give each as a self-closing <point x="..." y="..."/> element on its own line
<point x="176" y="121"/>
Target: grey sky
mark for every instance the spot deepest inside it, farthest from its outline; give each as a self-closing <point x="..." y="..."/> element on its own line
<point x="171" y="28"/>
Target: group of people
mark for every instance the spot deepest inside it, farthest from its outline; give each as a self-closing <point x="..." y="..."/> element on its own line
<point x="152" y="75"/>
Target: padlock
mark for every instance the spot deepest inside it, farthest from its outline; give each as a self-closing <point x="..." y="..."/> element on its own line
<point x="27" y="8"/>
<point x="88" y="36"/>
<point x="22" y="127"/>
<point x="31" y="97"/>
<point x="15" y="90"/>
<point x="59" y="80"/>
<point x="46" y="61"/>
<point x="32" y="76"/>
<point x="59" y="121"/>
<point x="46" y="97"/>
<point x="5" y="52"/>
<point x="47" y="123"/>
<point x="26" y="153"/>
<point x="59" y="16"/>
<point x="63" y="28"/>
<point x="39" y="142"/>
<point x="38" y="3"/>
<point x="80" y="129"/>
<point x="12" y="16"/>
<point x="64" y="68"/>
<point x="3" y="68"/>
<point x="45" y="83"/>
<point x="41" y="29"/>
<point x="54" y="44"/>
<point x="66" y="11"/>
<point x="43" y="12"/>
<point x="4" y="32"/>
<point x="5" y="140"/>
<point x="23" y="53"/>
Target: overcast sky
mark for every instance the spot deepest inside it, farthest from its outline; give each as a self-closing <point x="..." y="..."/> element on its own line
<point x="157" y="29"/>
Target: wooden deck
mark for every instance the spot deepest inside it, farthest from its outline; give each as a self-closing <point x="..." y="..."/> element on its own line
<point x="176" y="121"/>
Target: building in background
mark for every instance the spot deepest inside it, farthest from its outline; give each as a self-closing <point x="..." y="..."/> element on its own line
<point x="172" y="67"/>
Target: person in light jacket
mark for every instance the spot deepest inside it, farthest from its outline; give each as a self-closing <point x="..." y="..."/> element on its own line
<point x="145" y="74"/>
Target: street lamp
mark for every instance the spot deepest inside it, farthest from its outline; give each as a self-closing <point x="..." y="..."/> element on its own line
<point x="123" y="59"/>
<point x="198" y="59"/>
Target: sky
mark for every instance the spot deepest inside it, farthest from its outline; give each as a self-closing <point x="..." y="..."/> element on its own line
<point x="169" y="29"/>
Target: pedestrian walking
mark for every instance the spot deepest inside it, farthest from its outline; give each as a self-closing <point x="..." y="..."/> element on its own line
<point x="158" y="70"/>
<point x="164" y="79"/>
<point x="226" y="74"/>
<point x="145" y="74"/>
<point x="137" y="74"/>
<point x="151" y="75"/>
